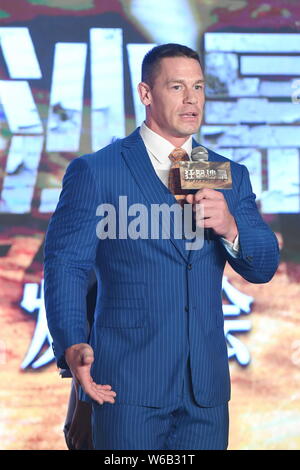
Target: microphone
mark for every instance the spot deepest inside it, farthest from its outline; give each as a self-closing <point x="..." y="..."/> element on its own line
<point x="200" y="154"/>
<point x="199" y="173"/>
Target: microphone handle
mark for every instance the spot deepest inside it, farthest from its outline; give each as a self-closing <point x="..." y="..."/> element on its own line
<point x="207" y="234"/>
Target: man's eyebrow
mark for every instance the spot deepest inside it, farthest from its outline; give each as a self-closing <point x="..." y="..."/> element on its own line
<point x="179" y="80"/>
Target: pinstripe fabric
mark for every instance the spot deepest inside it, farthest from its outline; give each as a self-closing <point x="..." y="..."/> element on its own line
<point x="182" y="427"/>
<point x="158" y="302"/>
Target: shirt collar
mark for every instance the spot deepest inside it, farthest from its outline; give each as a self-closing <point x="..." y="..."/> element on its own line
<point x="159" y="147"/>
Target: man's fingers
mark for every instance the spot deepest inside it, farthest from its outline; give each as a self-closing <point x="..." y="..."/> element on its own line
<point x="99" y="396"/>
<point x="204" y="196"/>
<point x="86" y="381"/>
<point x="190" y="198"/>
<point x="207" y="193"/>
<point x="99" y="393"/>
<point x="103" y="387"/>
<point x="103" y="392"/>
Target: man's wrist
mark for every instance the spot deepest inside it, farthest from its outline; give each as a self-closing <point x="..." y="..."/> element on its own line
<point x="232" y="248"/>
<point x="231" y="235"/>
<point x="72" y="353"/>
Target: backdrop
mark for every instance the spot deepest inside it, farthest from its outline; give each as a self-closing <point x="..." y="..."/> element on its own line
<point x="68" y="76"/>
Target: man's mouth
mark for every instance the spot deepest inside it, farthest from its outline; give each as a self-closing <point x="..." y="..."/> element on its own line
<point x="190" y="115"/>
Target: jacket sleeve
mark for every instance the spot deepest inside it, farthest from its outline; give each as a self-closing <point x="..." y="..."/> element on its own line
<point x="258" y="256"/>
<point x="70" y="251"/>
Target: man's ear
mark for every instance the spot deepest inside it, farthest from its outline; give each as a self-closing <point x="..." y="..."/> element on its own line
<point x="144" y="93"/>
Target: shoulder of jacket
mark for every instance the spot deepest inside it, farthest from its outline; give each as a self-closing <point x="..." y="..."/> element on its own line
<point x="214" y="156"/>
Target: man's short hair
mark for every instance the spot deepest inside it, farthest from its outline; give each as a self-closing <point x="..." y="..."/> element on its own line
<point x="151" y="61"/>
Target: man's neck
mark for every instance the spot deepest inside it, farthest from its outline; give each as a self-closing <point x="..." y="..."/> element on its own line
<point x="174" y="140"/>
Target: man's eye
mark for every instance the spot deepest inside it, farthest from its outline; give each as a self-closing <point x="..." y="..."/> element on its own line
<point x="176" y="87"/>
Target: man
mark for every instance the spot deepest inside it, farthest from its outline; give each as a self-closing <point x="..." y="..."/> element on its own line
<point x="156" y="370"/>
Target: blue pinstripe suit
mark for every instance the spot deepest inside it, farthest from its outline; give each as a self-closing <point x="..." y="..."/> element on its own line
<point x="159" y="303"/>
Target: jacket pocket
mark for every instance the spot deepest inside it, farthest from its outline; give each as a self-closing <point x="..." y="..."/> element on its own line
<point x="122" y="318"/>
<point x="123" y="307"/>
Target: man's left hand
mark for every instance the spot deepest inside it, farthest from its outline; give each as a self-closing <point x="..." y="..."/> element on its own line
<point x="212" y="212"/>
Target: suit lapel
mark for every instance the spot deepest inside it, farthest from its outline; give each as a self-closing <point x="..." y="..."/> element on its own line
<point x="136" y="157"/>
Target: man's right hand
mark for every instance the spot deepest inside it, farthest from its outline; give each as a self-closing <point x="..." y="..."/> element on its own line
<point x="80" y="358"/>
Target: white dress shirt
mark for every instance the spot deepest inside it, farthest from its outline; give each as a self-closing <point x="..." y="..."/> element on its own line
<point x="159" y="150"/>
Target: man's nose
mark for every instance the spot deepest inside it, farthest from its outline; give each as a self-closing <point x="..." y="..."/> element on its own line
<point x="190" y="96"/>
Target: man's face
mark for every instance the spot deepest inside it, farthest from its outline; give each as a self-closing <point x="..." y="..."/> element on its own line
<point x="174" y="105"/>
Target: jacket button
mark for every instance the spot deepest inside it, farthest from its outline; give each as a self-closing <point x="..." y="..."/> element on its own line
<point x="190" y="266"/>
<point x="186" y="308"/>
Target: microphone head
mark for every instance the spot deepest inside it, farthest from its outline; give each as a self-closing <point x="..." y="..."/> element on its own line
<point x="199" y="154"/>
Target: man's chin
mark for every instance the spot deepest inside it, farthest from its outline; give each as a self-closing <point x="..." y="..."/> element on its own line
<point x="188" y="130"/>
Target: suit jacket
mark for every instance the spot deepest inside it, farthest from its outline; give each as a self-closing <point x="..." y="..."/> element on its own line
<point x="158" y="302"/>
